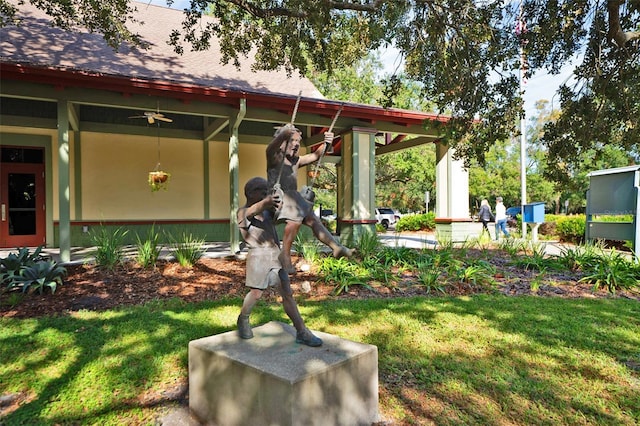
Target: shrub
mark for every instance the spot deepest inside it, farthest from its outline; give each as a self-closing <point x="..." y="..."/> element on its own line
<point x="108" y="247"/>
<point x="10" y="266"/>
<point x="417" y="222"/>
<point x="613" y="271"/>
<point x="149" y="249"/>
<point x="571" y="228"/>
<point x="40" y="275"/>
<point x="343" y="273"/>
<point x="187" y="249"/>
<point x="30" y="272"/>
<point x="368" y="244"/>
<point x="307" y="247"/>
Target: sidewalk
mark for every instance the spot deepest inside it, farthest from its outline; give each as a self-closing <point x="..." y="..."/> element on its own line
<point x="415" y="240"/>
<point x="80" y="255"/>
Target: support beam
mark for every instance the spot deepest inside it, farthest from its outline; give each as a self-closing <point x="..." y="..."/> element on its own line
<point x="453" y="220"/>
<point x="64" y="203"/>
<point x="357" y="185"/>
<point x="211" y="129"/>
<point x="234" y="166"/>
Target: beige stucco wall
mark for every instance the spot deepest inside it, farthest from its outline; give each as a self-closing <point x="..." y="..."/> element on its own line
<point x="114" y="172"/>
<point x="219" y="186"/>
<point x="115" y="178"/>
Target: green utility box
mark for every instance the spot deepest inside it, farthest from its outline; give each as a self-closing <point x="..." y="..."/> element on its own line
<point x="614" y="192"/>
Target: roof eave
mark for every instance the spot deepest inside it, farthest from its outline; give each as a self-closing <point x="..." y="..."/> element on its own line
<point x="62" y="77"/>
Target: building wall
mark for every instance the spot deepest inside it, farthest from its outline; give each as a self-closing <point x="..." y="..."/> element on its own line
<point x="109" y="181"/>
<point x="115" y="172"/>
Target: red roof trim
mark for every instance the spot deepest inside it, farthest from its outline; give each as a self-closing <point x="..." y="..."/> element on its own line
<point x="188" y="92"/>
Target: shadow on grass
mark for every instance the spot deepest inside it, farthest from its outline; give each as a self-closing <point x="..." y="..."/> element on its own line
<point x="469" y="360"/>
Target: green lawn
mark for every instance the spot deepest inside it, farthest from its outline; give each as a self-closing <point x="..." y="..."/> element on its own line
<point x="485" y="360"/>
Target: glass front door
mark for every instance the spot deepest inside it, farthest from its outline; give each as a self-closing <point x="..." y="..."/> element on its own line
<point x="22" y="204"/>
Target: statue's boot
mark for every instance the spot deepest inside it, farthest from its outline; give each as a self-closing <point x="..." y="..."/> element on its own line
<point x="244" y="328"/>
<point x="342" y="251"/>
<point x="306" y="337"/>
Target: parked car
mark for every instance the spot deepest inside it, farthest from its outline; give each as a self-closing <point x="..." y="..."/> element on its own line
<point x="327" y="215"/>
<point x="385" y="217"/>
<point x="512" y="212"/>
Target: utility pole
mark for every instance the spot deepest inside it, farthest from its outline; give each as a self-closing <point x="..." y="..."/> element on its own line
<point x="521" y="29"/>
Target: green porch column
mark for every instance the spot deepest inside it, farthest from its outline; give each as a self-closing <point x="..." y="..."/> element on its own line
<point x="234" y="163"/>
<point x="356" y="206"/>
<point x="64" y="203"/>
<point x="453" y="221"/>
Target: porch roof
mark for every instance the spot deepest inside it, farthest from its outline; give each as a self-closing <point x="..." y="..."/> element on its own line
<point x="36" y="52"/>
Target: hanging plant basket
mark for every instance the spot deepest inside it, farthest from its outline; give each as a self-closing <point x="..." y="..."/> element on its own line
<point x="158" y="180"/>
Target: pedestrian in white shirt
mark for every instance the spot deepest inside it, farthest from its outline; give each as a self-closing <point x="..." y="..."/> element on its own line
<point x="501" y="219"/>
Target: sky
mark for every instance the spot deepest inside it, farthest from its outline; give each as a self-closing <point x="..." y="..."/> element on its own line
<point x="540" y="86"/>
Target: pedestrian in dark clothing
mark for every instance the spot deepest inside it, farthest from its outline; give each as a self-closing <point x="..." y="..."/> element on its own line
<point x="485" y="216"/>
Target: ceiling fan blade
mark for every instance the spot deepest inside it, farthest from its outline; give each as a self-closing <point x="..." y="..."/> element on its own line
<point x="168" y="120"/>
<point x="138" y="116"/>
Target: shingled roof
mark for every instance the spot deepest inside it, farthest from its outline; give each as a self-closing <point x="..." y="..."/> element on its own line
<point x="34" y="42"/>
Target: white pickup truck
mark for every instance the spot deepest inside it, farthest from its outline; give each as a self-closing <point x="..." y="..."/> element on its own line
<point x="385" y="217"/>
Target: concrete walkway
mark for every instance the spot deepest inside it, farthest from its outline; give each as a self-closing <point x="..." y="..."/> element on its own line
<point x="417" y="240"/>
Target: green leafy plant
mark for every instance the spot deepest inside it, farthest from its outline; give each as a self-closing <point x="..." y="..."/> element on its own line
<point x="307" y="247"/>
<point x="581" y="258"/>
<point x="613" y="271"/>
<point x="39" y="276"/>
<point x="379" y="269"/>
<point x="477" y="273"/>
<point x="148" y="250"/>
<point x="108" y="252"/>
<point x="428" y="276"/>
<point x="402" y="257"/>
<point x="417" y="222"/>
<point x="368" y="244"/>
<point x="536" y="259"/>
<point x="11" y="265"/>
<point x="187" y="249"/>
<point x="571" y="228"/>
<point x="343" y="272"/>
<point x="511" y="246"/>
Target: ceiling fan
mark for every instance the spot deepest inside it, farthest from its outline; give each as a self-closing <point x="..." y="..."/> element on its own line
<point x="153" y="116"/>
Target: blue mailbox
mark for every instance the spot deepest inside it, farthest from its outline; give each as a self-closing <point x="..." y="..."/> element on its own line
<point x="534" y="213"/>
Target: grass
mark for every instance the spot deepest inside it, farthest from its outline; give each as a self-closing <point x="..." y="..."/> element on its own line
<point x="443" y="360"/>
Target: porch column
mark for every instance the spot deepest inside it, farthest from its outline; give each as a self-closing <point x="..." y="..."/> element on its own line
<point x="453" y="221"/>
<point x="356" y="193"/>
<point x="234" y="163"/>
<point x="64" y="203"/>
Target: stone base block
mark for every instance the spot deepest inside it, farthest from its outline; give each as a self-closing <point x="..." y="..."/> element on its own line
<point x="271" y="380"/>
<point x="455" y="231"/>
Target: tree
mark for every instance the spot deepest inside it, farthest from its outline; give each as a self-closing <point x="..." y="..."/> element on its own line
<point x="466" y="54"/>
<point x="500" y="176"/>
<point x="403" y="177"/>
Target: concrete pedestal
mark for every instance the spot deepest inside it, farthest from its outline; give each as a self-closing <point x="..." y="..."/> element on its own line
<point x="271" y="380"/>
<point x="454" y="231"/>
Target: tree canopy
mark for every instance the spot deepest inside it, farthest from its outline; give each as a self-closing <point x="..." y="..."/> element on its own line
<point x="466" y="54"/>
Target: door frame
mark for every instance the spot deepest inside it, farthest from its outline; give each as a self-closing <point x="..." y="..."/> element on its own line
<point x="44" y="141"/>
<point x="39" y="237"/>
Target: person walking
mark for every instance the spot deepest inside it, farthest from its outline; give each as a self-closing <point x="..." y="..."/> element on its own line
<point x="485" y="215"/>
<point x="501" y="219"/>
